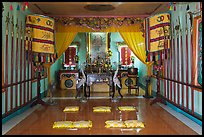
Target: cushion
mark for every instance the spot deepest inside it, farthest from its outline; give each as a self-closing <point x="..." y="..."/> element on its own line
<point x="114" y="124"/>
<point x="82" y="124"/>
<point x="134" y="124"/>
<point x="102" y="109"/>
<point x="63" y="124"/>
<point x="127" y="108"/>
<point x="71" y="109"/>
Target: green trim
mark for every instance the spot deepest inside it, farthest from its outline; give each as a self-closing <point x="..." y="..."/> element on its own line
<point x="176" y="108"/>
<point x="185" y="114"/>
<point x="20" y="111"/>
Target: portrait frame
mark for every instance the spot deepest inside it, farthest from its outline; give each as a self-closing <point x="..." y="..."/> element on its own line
<point x="97" y="44"/>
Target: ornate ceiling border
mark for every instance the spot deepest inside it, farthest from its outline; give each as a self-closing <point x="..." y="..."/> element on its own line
<point x="99" y="23"/>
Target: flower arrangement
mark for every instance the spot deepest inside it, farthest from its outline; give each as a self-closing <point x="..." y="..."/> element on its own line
<point x="109" y="52"/>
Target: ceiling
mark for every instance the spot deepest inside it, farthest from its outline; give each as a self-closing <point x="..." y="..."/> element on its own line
<point x="76" y="9"/>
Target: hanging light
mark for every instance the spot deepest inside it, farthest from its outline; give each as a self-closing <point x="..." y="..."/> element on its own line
<point x="187" y="7"/>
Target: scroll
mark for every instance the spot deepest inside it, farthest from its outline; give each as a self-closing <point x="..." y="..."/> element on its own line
<point x="158" y="36"/>
<point x="40" y="32"/>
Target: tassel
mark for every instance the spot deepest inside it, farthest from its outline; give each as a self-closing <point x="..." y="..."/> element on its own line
<point x="52" y="58"/>
<point x="33" y="58"/>
<point x="41" y="57"/>
<point x="174" y="8"/>
<point x="44" y="58"/>
<point x="187" y="7"/>
<point x="169" y="7"/>
<point x="23" y="8"/>
<point x="26" y="3"/>
<point x="26" y="7"/>
<point x="11" y="7"/>
<point x="196" y="6"/>
<point x="18" y="8"/>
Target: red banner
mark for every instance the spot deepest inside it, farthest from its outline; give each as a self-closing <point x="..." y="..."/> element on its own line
<point x="125" y="56"/>
<point x="69" y="56"/>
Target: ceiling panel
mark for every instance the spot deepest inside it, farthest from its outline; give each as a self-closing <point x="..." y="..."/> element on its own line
<point x="77" y="8"/>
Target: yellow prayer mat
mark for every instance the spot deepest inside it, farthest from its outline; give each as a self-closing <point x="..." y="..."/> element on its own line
<point x="124" y="124"/>
<point x="82" y="124"/>
<point x="102" y="109"/>
<point x="127" y="108"/>
<point x="73" y="124"/>
<point x="63" y="124"/>
<point x="134" y="124"/>
<point x="114" y="124"/>
<point x="71" y="109"/>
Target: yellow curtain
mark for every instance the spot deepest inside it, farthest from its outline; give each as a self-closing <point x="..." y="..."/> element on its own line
<point x="136" y="43"/>
<point x="63" y="40"/>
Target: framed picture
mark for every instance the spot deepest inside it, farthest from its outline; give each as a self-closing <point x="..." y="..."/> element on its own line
<point x="197" y="52"/>
<point x="98" y="45"/>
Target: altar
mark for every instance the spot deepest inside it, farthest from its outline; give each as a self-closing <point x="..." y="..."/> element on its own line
<point x="98" y="78"/>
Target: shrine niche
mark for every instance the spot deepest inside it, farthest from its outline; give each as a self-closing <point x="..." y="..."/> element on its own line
<point x="126" y="56"/>
<point x="71" y="55"/>
<point x="97" y="46"/>
<point x="98" y="52"/>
